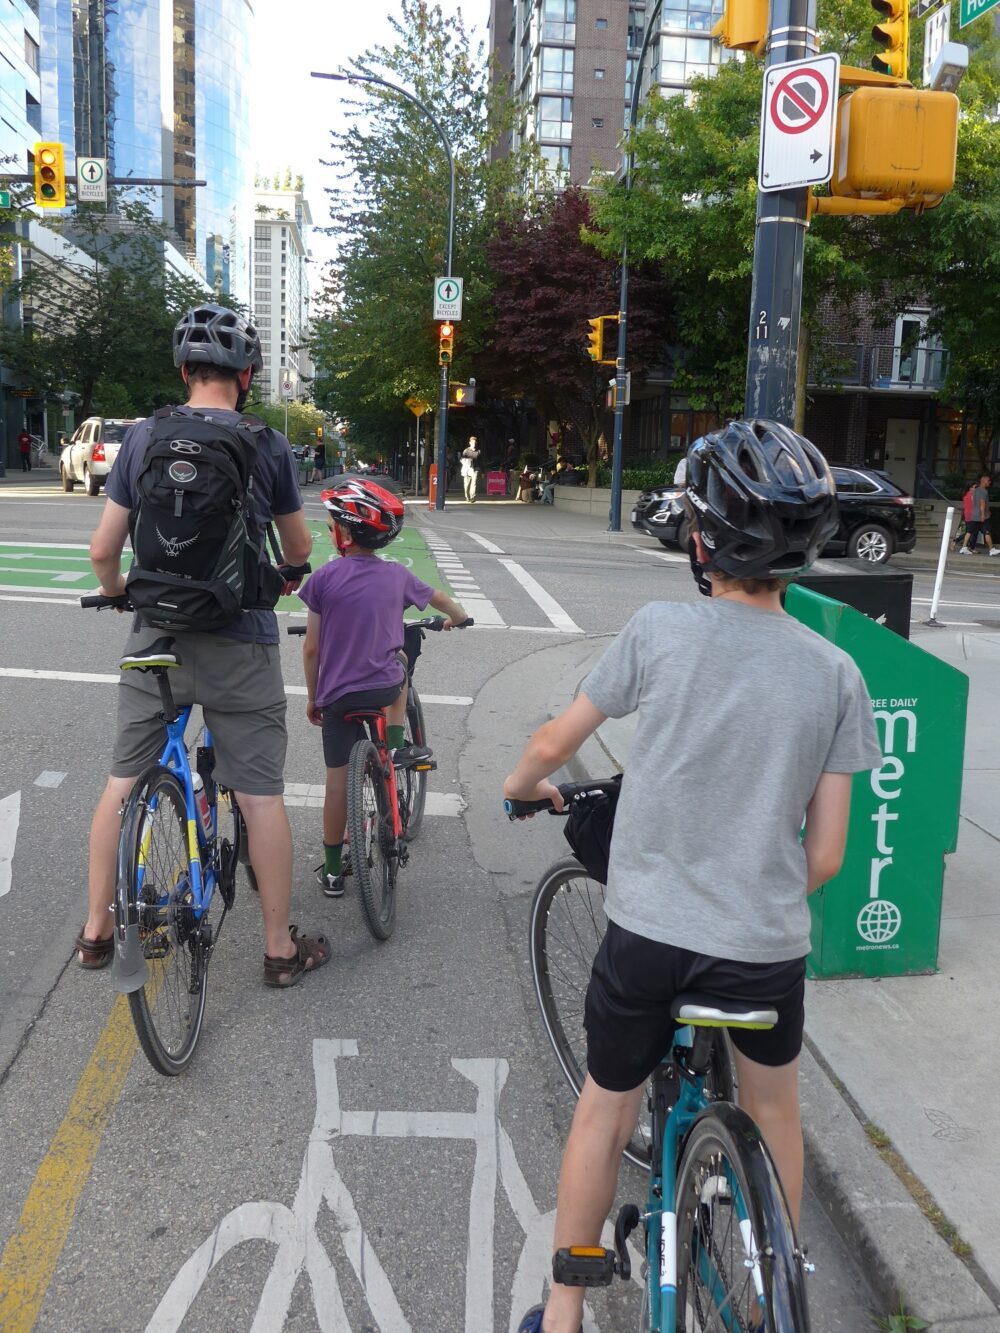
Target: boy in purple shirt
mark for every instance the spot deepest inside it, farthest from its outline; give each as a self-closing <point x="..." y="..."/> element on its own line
<point x="354" y="637"/>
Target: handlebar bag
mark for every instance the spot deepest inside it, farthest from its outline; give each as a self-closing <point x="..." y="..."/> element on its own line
<point x="588" y="830"/>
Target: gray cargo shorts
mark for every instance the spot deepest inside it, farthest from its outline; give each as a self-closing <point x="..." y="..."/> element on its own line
<point x="242" y="696"/>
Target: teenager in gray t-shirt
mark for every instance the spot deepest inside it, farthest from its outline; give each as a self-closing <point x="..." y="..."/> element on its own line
<point x="749" y="725"/>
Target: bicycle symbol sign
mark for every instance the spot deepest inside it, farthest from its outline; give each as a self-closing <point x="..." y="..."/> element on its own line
<point x="298" y="1248"/>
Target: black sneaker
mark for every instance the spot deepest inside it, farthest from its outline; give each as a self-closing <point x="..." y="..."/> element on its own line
<point x="333" y="885"/>
<point x="407" y="756"/>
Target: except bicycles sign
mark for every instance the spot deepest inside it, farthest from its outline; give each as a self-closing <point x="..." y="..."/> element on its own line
<point x="798" y="113"/>
<point x="448" y="298"/>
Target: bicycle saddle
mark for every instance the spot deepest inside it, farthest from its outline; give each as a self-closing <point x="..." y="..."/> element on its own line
<point x="160" y="653"/>
<point x="699" y="1010"/>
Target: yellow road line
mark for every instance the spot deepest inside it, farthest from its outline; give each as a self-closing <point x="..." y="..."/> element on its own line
<point x="30" y="1256"/>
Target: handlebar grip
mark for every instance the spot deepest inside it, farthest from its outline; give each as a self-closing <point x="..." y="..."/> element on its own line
<point x="98" y="600"/>
<point x="516" y="808"/>
<point x="292" y="572"/>
<point x="466" y="623"/>
<point x="296" y="629"/>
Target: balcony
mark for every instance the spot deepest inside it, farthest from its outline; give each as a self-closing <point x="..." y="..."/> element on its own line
<point x="887" y="367"/>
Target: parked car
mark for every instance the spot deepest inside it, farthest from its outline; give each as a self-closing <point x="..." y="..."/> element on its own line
<point x="90" y="452"/>
<point x="876" y="517"/>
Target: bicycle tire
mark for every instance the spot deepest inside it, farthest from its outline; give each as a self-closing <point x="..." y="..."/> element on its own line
<point x="373" y="854"/>
<point x="413" y="784"/>
<point x="724" y="1153"/>
<point x="169" y="1009"/>
<point x="561" y="961"/>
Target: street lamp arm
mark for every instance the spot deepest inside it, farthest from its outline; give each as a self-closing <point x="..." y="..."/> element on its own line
<point x="445" y="142"/>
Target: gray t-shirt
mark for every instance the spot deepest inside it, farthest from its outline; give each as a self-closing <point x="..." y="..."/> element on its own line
<point x="740" y="712"/>
<point x="980" y="504"/>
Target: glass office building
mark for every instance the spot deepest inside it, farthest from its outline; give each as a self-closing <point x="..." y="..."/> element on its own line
<point x="159" y="87"/>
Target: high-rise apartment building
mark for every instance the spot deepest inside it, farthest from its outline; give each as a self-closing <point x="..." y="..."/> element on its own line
<point x="160" y="88"/>
<point x="571" y="63"/>
<point x="281" y="290"/>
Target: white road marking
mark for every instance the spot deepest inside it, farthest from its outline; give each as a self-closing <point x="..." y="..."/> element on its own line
<point x="19" y="587"/>
<point x="486" y="545"/>
<point x="10" y="817"/>
<point x="68" y="577"/>
<point x="93" y="678"/>
<point x="52" y="601"/>
<point x="49" y="778"/>
<point x="487" y="614"/>
<point x="34" y="552"/>
<point x="50" y="546"/>
<point x="985" y="606"/>
<point x="559" y="618"/>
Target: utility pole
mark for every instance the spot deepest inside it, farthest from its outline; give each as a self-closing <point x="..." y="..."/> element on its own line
<point x="779" y="244"/>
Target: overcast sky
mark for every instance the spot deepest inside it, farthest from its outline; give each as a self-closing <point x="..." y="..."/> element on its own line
<point x="294" y="113"/>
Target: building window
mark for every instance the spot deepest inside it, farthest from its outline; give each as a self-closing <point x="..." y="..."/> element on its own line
<point x="600" y="23"/>
<point x="30" y="52"/>
<point x="557" y="69"/>
<point x="555" y="118"/>
<point x="555" y="159"/>
<point x="597" y="122"/>
<point x="598" y="73"/>
<point x="559" y="20"/>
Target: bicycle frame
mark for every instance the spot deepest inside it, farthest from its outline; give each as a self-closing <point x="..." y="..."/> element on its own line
<point x="661" y="1215"/>
<point x="375" y="723"/>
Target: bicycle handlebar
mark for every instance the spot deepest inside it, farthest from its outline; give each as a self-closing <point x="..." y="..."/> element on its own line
<point x="435" y="623"/>
<point x="569" y="791"/>
<point x="99" y="601"/>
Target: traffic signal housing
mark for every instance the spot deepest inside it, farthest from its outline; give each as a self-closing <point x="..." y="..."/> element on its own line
<point x="319" y="432"/>
<point x="50" y="175"/>
<point x="446" y="343"/>
<point x="892" y="33"/>
<point x="743" y="26"/>
<point x="600" y="344"/>
<point x="896" y="143"/>
<point x="463" y="395"/>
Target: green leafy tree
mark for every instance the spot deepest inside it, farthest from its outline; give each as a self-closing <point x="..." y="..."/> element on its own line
<point x="303" y="419"/>
<point x="374" y="342"/>
<point x="99" y="320"/>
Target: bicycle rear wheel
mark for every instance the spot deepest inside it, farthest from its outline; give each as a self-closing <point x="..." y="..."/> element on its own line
<point x="373" y="849"/>
<point x="567" y="926"/>
<point x="413" y="785"/>
<point x="738" y="1263"/>
<point x="169" y="1009"/>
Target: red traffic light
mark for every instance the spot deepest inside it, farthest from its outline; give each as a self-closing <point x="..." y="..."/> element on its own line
<point x="447" y="330"/>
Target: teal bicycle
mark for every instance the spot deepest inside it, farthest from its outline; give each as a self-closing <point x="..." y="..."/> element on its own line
<point x="720" y="1251"/>
<point x="181" y="843"/>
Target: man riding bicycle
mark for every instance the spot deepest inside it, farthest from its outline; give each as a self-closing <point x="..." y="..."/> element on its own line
<point x="749" y="724"/>
<point x="233" y="672"/>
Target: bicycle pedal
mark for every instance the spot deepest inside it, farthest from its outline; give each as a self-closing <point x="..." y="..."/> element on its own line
<point x="584" y="1266"/>
<point x="425" y="766"/>
<point x="625" y="1223"/>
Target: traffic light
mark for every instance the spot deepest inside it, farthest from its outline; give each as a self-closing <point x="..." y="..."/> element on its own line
<point x="743" y="25"/>
<point x="892" y="32"/>
<point x="50" y="175"/>
<point x="446" y="343"/>
<point x="599" y="346"/>
<point x="319" y="432"/>
<point x="463" y="395"/>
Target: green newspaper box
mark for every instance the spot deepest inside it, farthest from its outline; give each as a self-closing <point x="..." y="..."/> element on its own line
<point x="881" y="916"/>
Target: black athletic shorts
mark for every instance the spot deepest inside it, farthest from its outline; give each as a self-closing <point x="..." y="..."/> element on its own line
<point x="339" y="735"/>
<point x="634" y="982"/>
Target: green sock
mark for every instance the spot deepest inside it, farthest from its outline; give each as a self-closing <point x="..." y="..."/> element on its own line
<point x="395" y="737"/>
<point x="332" y="853"/>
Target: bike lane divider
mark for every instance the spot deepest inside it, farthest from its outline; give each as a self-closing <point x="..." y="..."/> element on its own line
<point x="557" y="616"/>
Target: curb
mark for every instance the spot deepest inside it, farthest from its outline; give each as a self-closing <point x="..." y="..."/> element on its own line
<point x="900" y="1254"/>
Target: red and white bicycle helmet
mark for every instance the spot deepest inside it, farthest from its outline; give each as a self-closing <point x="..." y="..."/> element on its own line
<point x="372" y="515"/>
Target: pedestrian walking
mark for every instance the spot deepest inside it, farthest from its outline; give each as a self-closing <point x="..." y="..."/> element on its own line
<point x="319" y="462"/>
<point x="24" y="446"/>
<point x="977" y="504"/>
<point x="470" y="469"/>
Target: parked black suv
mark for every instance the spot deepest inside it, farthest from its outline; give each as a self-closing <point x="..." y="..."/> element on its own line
<point x="876" y="516"/>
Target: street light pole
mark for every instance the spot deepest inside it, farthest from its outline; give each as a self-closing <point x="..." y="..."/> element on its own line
<point x="442" y="449"/>
<point x="615" y="512"/>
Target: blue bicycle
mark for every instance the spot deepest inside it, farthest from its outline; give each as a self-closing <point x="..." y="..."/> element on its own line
<point x="182" y="840"/>
<point x="720" y="1251"/>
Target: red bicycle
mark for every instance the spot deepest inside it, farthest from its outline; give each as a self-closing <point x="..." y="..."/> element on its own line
<point x="385" y="801"/>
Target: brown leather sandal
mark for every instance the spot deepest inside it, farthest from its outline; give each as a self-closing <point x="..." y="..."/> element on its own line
<point x="311" y="952"/>
<point x="94" y="954"/>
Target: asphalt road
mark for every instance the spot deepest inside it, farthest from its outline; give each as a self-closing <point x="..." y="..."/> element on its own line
<point x="382" y="1143"/>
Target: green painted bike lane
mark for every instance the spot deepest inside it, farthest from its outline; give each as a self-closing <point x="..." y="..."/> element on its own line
<point x="41" y="567"/>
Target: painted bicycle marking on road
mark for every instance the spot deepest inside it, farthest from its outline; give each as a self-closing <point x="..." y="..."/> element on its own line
<point x="299" y="1248"/>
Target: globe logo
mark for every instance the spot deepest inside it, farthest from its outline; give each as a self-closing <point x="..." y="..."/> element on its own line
<point x="878" y="921"/>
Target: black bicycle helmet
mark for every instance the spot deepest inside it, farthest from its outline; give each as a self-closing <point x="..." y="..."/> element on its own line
<point x="372" y="514"/>
<point x="762" y="497"/>
<point x="214" y="336"/>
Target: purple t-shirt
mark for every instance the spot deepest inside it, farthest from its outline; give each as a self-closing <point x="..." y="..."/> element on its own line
<point x="361" y="600"/>
<point x="275" y="491"/>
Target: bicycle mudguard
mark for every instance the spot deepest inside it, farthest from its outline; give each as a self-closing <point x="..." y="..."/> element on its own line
<point x="129" y="971"/>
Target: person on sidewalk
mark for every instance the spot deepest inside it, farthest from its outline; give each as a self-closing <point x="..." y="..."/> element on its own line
<point x="980" y="520"/>
<point x="353" y="646"/>
<point x="470" y="469"/>
<point x="24" y="448"/>
<point x="708" y="877"/>
<point x="233" y="672"/>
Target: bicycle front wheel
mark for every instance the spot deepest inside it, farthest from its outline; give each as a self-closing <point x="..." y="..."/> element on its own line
<point x="373" y="846"/>
<point x="738" y="1263"/>
<point x="168" y="1011"/>
<point x="413" y="785"/>
<point x="567" y="926"/>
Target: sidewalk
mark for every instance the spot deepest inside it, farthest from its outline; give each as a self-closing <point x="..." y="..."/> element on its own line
<point x="915" y="1056"/>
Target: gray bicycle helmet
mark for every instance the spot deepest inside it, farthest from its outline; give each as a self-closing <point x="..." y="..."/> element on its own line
<point x="762" y="497"/>
<point x="212" y="335"/>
